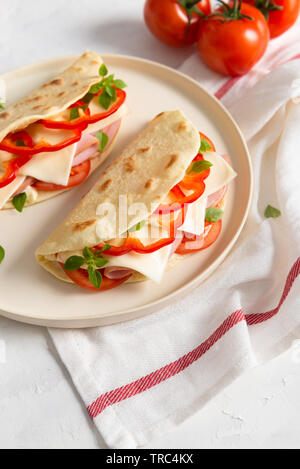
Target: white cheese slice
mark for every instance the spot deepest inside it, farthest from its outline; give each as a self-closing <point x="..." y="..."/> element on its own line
<point x="221" y="173"/>
<point x="51" y="167"/>
<point x="151" y="265"/>
<point x="195" y="217"/>
<point x="7" y="191"/>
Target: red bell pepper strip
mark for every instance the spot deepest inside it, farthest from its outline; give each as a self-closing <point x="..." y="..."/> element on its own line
<point x="22" y="138"/>
<point x="8" y="144"/>
<point x="26" y="152"/>
<point x="134" y="244"/>
<point x="87" y="118"/>
<point x="198" y="187"/>
<point x="12" y="166"/>
<point x="191" y="182"/>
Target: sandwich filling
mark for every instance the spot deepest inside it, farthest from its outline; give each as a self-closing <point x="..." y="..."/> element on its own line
<point x="187" y="221"/>
<point x="60" y="151"/>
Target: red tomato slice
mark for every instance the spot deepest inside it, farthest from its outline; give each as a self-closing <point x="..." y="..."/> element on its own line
<point x="78" y="174"/>
<point x="81" y="278"/>
<point x="198" y="243"/>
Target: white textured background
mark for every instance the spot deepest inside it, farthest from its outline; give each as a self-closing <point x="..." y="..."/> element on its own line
<point x="39" y="407"/>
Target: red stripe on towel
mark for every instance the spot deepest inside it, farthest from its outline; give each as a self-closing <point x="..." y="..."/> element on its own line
<point x="172" y="369"/>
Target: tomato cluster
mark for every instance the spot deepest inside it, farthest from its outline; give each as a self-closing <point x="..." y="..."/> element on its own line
<point x="230" y="40"/>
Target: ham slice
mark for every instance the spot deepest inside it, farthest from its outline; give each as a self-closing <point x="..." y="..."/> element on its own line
<point x="87" y="147"/>
<point x="116" y="273"/>
<point x="27" y="182"/>
<point x="86" y="154"/>
<point x="85" y="142"/>
<point x="214" y="199"/>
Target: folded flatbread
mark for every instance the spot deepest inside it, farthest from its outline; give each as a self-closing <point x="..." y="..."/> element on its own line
<point x="52" y="101"/>
<point x="135" y="185"/>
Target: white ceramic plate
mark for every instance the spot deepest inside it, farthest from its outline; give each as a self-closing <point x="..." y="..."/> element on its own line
<point x="29" y="294"/>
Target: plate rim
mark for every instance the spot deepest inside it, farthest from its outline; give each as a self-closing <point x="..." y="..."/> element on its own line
<point x="147" y="308"/>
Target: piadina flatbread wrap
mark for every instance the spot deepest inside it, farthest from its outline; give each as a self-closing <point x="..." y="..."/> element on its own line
<point x="55" y="137"/>
<point x="161" y="199"/>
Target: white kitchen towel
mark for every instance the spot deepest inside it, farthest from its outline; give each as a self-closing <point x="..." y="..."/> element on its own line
<point x="139" y="378"/>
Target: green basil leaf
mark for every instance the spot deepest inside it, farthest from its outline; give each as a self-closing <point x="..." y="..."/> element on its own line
<point x="87" y="253"/>
<point x="74" y="113"/>
<point x="20" y="143"/>
<point x="2" y="254"/>
<point x="213" y="214"/>
<point x="1" y="106"/>
<point x="95" y="88"/>
<point x="103" y="70"/>
<point x="106" y="247"/>
<point x="109" y="80"/>
<point x="87" y="98"/>
<point x="100" y="262"/>
<point x="111" y="92"/>
<point x="120" y="84"/>
<point x="272" y="212"/>
<point x="95" y="277"/>
<point x="200" y="166"/>
<point x="74" y="263"/>
<point x="104" y="100"/>
<point x="103" y="140"/>
<point x="19" y="201"/>
<point x="205" y="146"/>
<point x="137" y="227"/>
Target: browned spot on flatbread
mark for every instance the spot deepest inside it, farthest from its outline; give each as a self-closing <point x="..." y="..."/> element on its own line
<point x="57" y="81"/>
<point x="34" y="99"/>
<point x="36" y="108"/>
<point x="129" y="165"/>
<point x="149" y="183"/>
<point x="143" y="150"/>
<point x="76" y="83"/>
<point x="62" y="93"/>
<point x="95" y="62"/>
<point x="83" y="225"/>
<point x="172" y="160"/>
<point x="105" y="185"/>
<point x="4" y="115"/>
<point x="181" y="126"/>
<point x="159" y="115"/>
